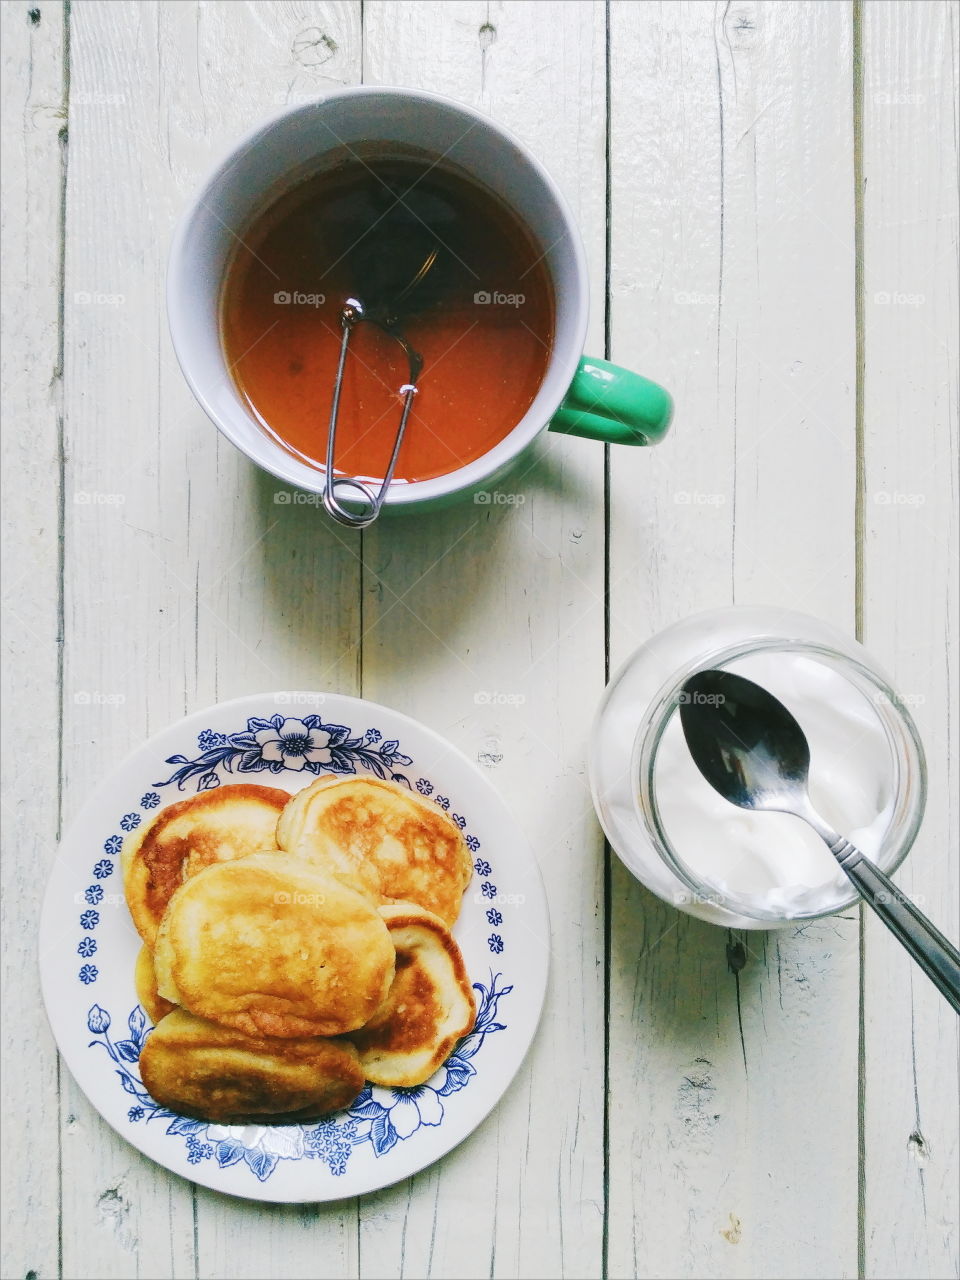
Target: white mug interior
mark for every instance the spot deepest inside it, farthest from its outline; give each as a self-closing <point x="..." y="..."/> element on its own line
<point x="272" y="156"/>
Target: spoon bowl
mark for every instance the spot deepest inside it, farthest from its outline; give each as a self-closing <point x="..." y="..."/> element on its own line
<point x="745" y="742"/>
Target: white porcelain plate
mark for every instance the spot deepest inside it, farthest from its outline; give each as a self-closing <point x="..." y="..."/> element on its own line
<point x="88" y="946"/>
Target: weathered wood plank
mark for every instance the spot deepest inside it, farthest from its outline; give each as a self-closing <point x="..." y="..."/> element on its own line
<point x="186" y="583"/>
<point x="34" y="114"/>
<point x="732" y="280"/>
<point x="508" y="600"/>
<point x="911" y="344"/>
<point x="732" y="283"/>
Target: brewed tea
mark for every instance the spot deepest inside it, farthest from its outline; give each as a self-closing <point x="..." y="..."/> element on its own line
<point x="481" y="318"/>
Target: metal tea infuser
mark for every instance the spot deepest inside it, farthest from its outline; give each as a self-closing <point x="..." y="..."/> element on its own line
<point x="381" y="308"/>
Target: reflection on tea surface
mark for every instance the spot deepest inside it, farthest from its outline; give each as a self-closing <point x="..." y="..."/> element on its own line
<point x="481" y="318"/>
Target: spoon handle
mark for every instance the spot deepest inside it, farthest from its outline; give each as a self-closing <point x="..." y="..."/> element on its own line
<point x="936" y="956"/>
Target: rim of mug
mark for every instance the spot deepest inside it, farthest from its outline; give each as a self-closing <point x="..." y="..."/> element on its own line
<point x="561" y="366"/>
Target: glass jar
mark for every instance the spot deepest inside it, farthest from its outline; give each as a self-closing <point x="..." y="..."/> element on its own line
<point x="640" y="706"/>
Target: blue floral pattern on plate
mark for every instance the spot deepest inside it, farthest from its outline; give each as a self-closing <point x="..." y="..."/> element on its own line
<point x="91" y="948"/>
<point x="381" y="1117"/>
<point x="289" y="742"/>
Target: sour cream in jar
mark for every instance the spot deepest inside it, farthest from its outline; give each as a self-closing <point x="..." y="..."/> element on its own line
<point x="729" y="865"/>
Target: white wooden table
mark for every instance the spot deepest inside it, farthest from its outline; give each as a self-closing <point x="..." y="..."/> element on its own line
<point x="767" y="193"/>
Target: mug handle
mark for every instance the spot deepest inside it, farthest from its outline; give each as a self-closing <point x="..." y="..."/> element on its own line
<point x="608" y="403"/>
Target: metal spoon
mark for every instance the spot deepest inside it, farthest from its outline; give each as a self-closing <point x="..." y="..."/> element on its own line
<point x="750" y="748"/>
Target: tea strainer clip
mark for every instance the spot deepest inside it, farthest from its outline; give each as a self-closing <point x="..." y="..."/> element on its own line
<point x="362" y="492"/>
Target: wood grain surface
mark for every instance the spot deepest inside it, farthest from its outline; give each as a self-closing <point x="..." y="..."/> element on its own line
<point x="732" y="277"/>
<point x="34" y="153"/>
<point x="910" y="545"/>
<point x="768" y="199"/>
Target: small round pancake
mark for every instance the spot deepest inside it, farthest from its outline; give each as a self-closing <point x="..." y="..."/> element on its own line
<point x="213" y="826"/>
<point x="304" y="830"/>
<point x="200" y="1069"/>
<point x="380" y="838"/>
<point x="270" y="945"/>
<point x="145" y="981"/>
<point x="428" y="1008"/>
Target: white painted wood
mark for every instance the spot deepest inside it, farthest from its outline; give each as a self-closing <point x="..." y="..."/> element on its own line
<point x="487" y="601"/>
<point x="730" y="1153"/>
<point x="910" y="171"/>
<point x="33" y="115"/>
<point x="196" y="586"/>
<point x="733" y="1095"/>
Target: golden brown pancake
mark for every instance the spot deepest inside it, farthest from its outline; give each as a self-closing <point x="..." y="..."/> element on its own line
<point x="145" y="981"/>
<point x="381" y="839"/>
<point x="214" y="826"/>
<point x="201" y="1069"/>
<point x="270" y="945"/>
<point x="338" y="853"/>
<point x="429" y="1005"/>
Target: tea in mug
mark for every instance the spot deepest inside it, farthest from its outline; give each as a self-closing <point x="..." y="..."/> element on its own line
<point x="480" y="316"/>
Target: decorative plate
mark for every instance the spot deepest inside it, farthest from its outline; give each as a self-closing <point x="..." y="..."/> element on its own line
<point x="88" y="946"/>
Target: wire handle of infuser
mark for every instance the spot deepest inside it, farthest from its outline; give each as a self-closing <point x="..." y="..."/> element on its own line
<point x="352" y="314"/>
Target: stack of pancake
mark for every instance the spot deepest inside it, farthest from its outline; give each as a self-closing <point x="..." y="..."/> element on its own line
<point x="295" y="947"/>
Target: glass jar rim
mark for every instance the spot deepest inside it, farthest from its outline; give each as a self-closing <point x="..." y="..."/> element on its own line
<point x="663" y="707"/>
